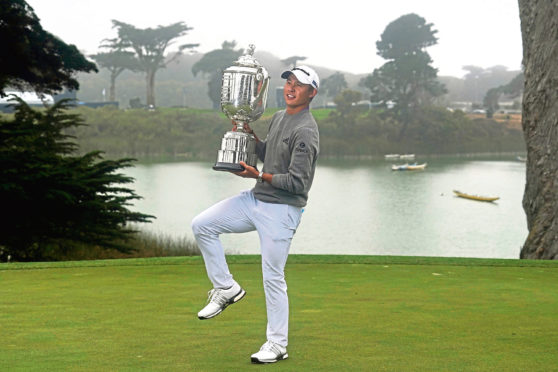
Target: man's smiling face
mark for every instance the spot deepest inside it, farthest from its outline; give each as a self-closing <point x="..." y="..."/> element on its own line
<point x="297" y="95"/>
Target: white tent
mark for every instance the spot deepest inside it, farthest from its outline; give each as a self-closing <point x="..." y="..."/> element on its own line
<point x="31" y="98"/>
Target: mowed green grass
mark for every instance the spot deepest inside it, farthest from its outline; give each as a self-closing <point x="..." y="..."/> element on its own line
<point x="347" y="313"/>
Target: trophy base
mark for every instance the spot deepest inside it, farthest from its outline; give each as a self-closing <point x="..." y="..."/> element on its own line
<point x="236" y="147"/>
<point x="228" y="167"/>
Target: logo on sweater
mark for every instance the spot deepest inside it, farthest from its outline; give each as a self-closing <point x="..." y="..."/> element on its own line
<point x="302" y="148"/>
<point x="286" y="141"/>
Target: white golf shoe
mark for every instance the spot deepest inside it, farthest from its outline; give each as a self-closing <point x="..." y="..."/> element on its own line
<point x="270" y="352"/>
<point x="219" y="299"/>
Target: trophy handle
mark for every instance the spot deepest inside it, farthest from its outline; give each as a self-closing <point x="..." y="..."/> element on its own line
<point x="259" y="98"/>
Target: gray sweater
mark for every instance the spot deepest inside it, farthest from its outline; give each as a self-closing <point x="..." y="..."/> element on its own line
<point x="289" y="152"/>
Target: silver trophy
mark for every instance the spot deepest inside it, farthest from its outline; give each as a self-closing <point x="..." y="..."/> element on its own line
<point x="243" y="97"/>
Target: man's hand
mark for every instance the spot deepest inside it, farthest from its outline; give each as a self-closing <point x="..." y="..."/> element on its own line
<point x="248" y="172"/>
<point x="247" y="128"/>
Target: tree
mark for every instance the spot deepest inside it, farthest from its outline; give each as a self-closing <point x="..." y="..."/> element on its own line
<point x="490" y="101"/>
<point x="540" y="123"/>
<point x="32" y="58"/>
<point x="149" y="46"/>
<point x="291" y="61"/>
<point x="513" y="89"/>
<point x="478" y="80"/>
<point x="53" y="198"/>
<point x="213" y="64"/>
<point x="407" y="79"/>
<point x="333" y="84"/>
<point x="474" y="82"/>
<point x="474" y="71"/>
<point x="116" y="61"/>
<point x="345" y="113"/>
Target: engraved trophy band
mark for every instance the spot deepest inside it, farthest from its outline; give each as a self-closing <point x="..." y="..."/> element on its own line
<point x="236" y="147"/>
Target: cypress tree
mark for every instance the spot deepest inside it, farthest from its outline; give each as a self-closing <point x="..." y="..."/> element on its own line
<point x="52" y="198"/>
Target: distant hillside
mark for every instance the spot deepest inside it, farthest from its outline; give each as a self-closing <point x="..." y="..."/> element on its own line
<point x="474" y="90"/>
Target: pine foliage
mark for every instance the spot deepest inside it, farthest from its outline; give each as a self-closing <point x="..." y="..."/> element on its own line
<point x="33" y="57"/>
<point x="51" y="198"/>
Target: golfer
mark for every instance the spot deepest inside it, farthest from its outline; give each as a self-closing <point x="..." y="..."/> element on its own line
<point x="273" y="208"/>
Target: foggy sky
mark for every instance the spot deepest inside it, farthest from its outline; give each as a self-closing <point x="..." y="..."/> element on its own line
<point x="340" y="36"/>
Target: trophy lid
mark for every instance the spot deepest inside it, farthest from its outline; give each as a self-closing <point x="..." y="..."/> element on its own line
<point x="248" y="60"/>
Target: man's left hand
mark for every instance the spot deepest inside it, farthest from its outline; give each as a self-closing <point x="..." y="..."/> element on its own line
<point x="248" y="172"/>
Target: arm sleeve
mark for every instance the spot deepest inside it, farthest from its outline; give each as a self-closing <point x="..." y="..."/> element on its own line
<point x="304" y="152"/>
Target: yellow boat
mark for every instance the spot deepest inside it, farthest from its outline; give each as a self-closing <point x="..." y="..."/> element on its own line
<point x="476" y="197"/>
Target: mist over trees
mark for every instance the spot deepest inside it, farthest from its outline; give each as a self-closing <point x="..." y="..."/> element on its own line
<point x="406" y="86"/>
<point x="479" y="80"/>
<point x="291" y="62"/>
<point x="213" y="64"/>
<point x="116" y="60"/>
<point x="513" y="90"/>
<point x="149" y="46"/>
<point x="332" y="85"/>
<point x="176" y="85"/>
<point x="180" y="83"/>
<point x="407" y="80"/>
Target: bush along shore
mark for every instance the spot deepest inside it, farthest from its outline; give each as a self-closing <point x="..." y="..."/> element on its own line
<point x="143" y="244"/>
<point x="179" y="133"/>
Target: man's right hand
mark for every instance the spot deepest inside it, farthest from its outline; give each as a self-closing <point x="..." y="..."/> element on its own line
<point x="247" y="128"/>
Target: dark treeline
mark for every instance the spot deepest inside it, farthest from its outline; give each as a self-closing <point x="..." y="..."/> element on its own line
<point x="196" y="134"/>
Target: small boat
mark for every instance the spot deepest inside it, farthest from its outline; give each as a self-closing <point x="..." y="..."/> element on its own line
<point x="391" y="156"/>
<point x="407" y="157"/>
<point x="404" y="167"/>
<point x="476" y="197"/>
<point x="417" y="166"/>
<point x="521" y="159"/>
<point x="399" y="156"/>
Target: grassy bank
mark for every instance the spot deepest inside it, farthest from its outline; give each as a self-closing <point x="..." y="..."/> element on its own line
<point x="195" y="134"/>
<point x="361" y="313"/>
<point x="145" y="245"/>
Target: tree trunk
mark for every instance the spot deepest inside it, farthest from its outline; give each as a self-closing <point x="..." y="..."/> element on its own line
<point x="112" y="89"/>
<point x="150" y="80"/>
<point x="539" y="27"/>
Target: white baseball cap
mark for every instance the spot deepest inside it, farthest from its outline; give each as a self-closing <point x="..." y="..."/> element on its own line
<point x="305" y="75"/>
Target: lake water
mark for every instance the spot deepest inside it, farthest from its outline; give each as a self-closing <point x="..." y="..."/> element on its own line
<point x="361" y="207"/>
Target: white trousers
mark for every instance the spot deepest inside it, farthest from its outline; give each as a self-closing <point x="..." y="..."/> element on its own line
<point x="276" y="225"/>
